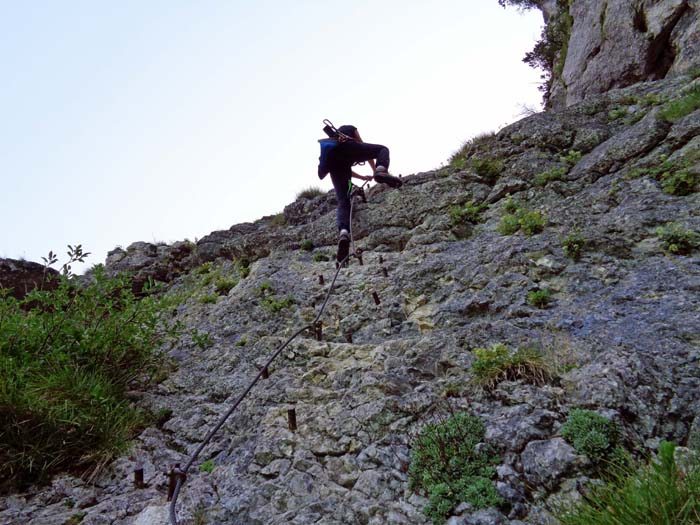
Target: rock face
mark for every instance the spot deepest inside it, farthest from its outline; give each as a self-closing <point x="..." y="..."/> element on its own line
<point x="21" y="277"/>
<point x="621" y="330"/>
<point x="617" y="43"/>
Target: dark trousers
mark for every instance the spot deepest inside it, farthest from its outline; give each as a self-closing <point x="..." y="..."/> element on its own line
<point x="341" y="160"/>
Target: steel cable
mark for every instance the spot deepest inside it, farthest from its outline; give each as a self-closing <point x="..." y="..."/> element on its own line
<point x="181" y="474"/>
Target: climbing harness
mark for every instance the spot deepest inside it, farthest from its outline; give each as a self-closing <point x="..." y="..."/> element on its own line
<point x="178" y="475"/>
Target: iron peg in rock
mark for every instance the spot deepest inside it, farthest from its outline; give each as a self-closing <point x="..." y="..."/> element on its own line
<point x="375" y="296"/>
<point x="138" y="478"/>
<point x="292" y="419"/>
<point x="319" y="330"/>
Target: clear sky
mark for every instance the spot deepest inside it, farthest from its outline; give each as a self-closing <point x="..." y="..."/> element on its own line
<point x="161" y="120"/>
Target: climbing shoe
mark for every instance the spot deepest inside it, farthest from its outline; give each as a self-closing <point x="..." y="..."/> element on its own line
<point x="383" y="177"/>
<point x="343" y="246"/>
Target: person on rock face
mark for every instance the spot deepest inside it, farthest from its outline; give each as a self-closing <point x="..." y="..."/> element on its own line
<point x="338" y="159"/>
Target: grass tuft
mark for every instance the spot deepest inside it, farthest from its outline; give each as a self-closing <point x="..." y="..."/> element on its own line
<point x="499" y="363"/>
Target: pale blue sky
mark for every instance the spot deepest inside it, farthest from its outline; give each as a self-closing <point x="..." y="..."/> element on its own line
<point x="164" y="120"/>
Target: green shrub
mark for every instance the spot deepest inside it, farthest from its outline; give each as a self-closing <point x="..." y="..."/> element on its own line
<point x="656" y="493"/>
<point x="678" y="108"/>
<point x="207" y="298"/>
<point x="650" y="99"/>
<point x="542" y="179"/>
<point x="591" y="434"/>
<point x="204" y="268"/>
<point x="67" y="359"/>
<point x="201" y="339"/>
<point x="509" y="204"/>
<point x="268" y="300"/>
<point x="539" y="298"/>
<point x="447" y="467"/>
<point x="242" y="266"/>
<point x="573" y="245"/>
<point x="207" y="466"/>
<point x="321" y="257"/>
<point x="509" y="224"/>
<point x="467" y="212"/>
<point x="489" y="169"/>
<point x="310" y="193"/>
<point x="279" y="219"/>
<point x="681" y="182"/>
<point x="459" y="159"/>
<point x="223" y="285"/>
<point x="499" y="363"/>
<point x="307" y="245"/>
<point x="530" y="222"/>
<point x="572" y="157"/>
<point x="616" y="113"/>
<point x="676" y="239"/>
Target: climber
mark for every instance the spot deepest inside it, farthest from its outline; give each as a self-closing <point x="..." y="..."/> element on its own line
<point x="343" y="149"/>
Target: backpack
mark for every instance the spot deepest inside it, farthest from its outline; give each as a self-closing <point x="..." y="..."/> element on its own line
<point x="335" y="137"/>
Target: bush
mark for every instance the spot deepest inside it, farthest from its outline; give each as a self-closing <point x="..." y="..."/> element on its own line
<point x="530" y="222"/>
<point x="459" y="159"/>
<point x="539" y="298"/>
<point x="208" y="298"/>
<point x="467" y="212"/>
<point x="499" y="363"/>
<point x="310" y="193"/>
<point x="489" y="169"/>
<point x="591" y="434"/>
<point x="572" y="157"/>
<point x="542" y="179"/>
<point x="658" y="493"/>
<point x="307" y="245"/>
<point x="268" y="300"/>
<point x="573" y="245"/>
<point x="617" y="113"/>
<point x="676" y="109"/>
<point x="321" y="257"/>
<point x="278" y="220"/>
<point x="448" y="468"/>
<point x="223" y="285"/>
<point x="207" y="466"/>
<point x="681" y="182"/>
<point x="676" y="239"/>
<point x="67" y="359"/>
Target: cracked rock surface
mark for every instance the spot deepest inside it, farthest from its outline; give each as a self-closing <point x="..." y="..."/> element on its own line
<point x="622" y="329"/>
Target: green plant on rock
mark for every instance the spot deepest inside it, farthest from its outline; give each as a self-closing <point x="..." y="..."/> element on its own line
<point x="677" y="177"/>
<point x="201" y="339"/>
<point x="310" y="193"/>
<point x="487" y="168"/>
<point x="207" y="466"/>
<point x="573" y="244"/>
<point x="269" y="302"/>
<point x="459" y="160"/>
<point x="650" y="99"/>
<point x="321" y="257"/>
<point x="500" y="363"/>
<point x="242" y="266"/>
<point x="572" y="157"/>
<point x="684" y="105"/>
<point x="208" y="298"/>
<point x="68" y="357"/>
<point x="448" y="467"/>
<point x="467" y="212"/>
<point x="279" y="219"/>
<point x="616" y="113"/>
<point x="681" y="182"/>
<point x="307" y="245"/>
<point x="529" y="221"/>
<point x="678" y="240"/>
<point x="509" y="204"/>
<point x="223" y="285"/>
<point x="544" y="178"/>
<point x="591" y="434"/>
<point x="660" y="492"/>
<point x="539" y="298"/>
